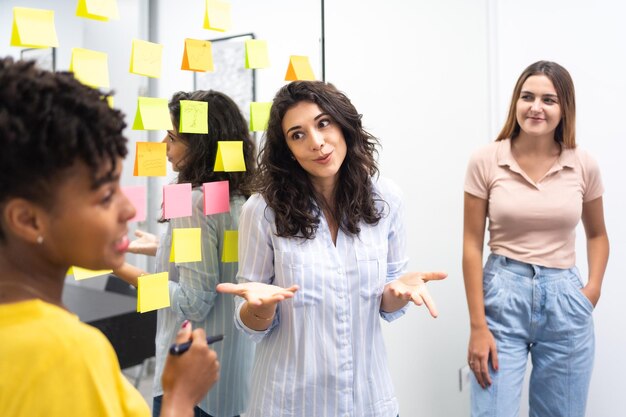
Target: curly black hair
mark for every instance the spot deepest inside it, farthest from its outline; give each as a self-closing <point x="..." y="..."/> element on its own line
<point x="286" y="186"/>
<point x="48" y="122"/>
<point x="226" y="123"/>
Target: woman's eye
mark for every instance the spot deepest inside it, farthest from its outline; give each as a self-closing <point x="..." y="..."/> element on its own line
<point x="297" y="135"/>
<point x="107" y="198"/>
<point x="324" y="123"/>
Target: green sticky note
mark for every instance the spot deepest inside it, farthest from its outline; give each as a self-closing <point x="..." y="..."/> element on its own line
<point x="259" y="115"/>
<point x="186" y="245"/>
<point x="256" y="54"/>
<point x="229" y="157"/>
<point x="230" y="253"/>
<point x="194" y="116"/>
<point x="152" y="114"/>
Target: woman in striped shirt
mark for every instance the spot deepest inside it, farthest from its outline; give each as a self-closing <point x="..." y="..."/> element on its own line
<point x="322" y="251"/>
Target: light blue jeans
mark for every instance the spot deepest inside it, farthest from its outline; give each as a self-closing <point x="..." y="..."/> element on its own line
<point x="541" y="311"/>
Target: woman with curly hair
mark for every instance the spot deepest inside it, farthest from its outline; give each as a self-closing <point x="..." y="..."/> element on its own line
<point x="322" y="255"/>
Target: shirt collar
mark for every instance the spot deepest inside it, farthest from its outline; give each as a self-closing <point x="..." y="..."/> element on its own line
<point x="505" y="156"/>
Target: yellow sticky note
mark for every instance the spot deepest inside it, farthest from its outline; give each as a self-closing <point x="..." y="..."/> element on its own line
<point x="150" y="159"/>
<point x="82" y="273"/>
<point x="259" y="115"/>
<point x="194" y="116"/>
<point x="186" y="245"/>
<point x="256" y="54"/>
<point x="229" y="253"/>
<point x="90" y="67"/>
<point x="229" y="157"/>
<point x="102" y="10"/>
<point x="33" y="28"/>
<point x="198" y="56"/>
<point x="152" y="292"/>
<point x="111" y="101"/>
<point x="145" y="58"/>
<point x="217" y="15"/>
<point x="299" y="69"/>
<point x="152" y="114"/>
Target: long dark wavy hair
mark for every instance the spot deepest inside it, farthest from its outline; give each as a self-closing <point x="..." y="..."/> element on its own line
<point x="286" y="186"/>
<point x="226" y="123"/>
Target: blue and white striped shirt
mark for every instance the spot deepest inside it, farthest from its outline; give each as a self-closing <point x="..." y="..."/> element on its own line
<point x="323" y="355"/>
<point x="193" y="297"/>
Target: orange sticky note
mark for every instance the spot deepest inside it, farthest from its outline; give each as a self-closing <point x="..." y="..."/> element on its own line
<point x="198" y="56"/>
<point x="176" y="200"/>
<point x="186" y="245"/>
<point x="229" y="157"/>
<point x="102" y="10"/>
<point x="145" y="58"/>
<point x="152" y="114"/>
<point x="230" y="253"/>
<point x="299" y="69"/>
<point x="216" y="197"/>
<point x="256" y="54"/>
<point x="150" y="159"/>
<point x="217" y="15"/>
<point x="90" y="67"/>
<point x="259" y="115"/>
<point x="194" y="117"/>
<point x="33" y="28"/>
<point x="82" y="273"/>
<point x="137" y="197"/>
<point x="153" y="292"/>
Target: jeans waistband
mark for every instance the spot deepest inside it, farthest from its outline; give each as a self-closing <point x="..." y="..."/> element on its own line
<point x="523" y="268"/>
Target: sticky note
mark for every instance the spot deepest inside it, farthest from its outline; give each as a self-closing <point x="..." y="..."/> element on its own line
<point x="176" y="200"/>
<point x="111" y="101"/>
<point x="33" y="28"/>
<point x="186" y="245"/>
<point x="153" y="292"/>
<point x="150" y="159"/>
<point x="229" y="157"/>
<point x="90" y="67"/>
<point x="229" y="252"/>
<point x="198" y="56"/>
<point x="256" y="54"/>
<point x="217" y="15"/>
<point x="145" y="58"/>
<point x="102" y="10"/>
<point x="299" y="69"/>
<point x="152" y="114"/>
<point x="194" y="117"/>
<point x="216" y="197"/>
<point x="259" y="115"/>
<point x="137" y="197"/>
<point x="82" y="273"/>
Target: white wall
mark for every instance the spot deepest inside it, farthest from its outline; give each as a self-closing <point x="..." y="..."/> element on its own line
<point x="433" y="80"/>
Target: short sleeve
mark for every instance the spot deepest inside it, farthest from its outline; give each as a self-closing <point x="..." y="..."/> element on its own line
<point x="592" y="180"/>
<point x="476" y="182"/>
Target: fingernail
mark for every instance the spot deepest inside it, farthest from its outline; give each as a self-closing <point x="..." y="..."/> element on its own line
<point x="185" y="324"/>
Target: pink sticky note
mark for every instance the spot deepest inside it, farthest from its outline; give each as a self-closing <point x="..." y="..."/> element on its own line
<point x="176" y="200"/>
<point x="216" y="197"/>
<point x="137" y="197"/>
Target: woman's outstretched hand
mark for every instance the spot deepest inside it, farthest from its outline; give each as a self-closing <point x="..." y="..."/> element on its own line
<point x="412" y="287"/>
<point x="145" y="244"/>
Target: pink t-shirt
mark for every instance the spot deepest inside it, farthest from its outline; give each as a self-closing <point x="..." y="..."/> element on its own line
<point x="533" y="222"/>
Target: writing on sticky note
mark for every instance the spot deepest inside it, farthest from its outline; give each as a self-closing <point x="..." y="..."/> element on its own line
<point x="198" y="56"/>
<point x="102" y="10"/>
<point x="152" y="292"/>
<point x="82" y="273"/>
<point x="256" y="54"/>
<point x="229" y="253"/>
<point x="259" y="115"/>
<point x="186" y="245"/>
<point x="299" y="69"/>
<point x="194" y="116"/>
<point x="90" y="67"/>
<point x="137" y="197"/>
<point x="145" y="58"/>
<point x="229" y="157"/>
<point x="176" y="200"/>
<point x="33" y="28"/>
<point x="152" y="114"/>
<point x="216" y="197"/>
<point x="217" y="15"/>
<point x="150" y="159"/>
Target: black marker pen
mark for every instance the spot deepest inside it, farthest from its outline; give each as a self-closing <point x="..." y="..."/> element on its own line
<point x="184" y="347"/>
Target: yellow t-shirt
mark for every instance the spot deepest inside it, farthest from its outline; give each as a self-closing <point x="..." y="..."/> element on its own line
<point x="53" y="365"/>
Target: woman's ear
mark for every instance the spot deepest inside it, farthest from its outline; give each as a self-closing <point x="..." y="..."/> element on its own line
<point x="24" y="219"/>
